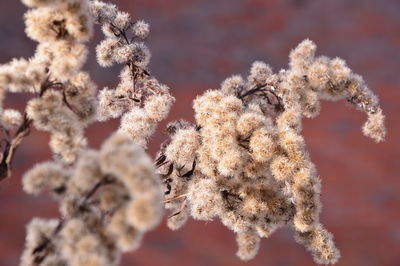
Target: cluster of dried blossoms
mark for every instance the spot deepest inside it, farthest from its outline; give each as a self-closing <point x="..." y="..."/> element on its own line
<point x="139" y="118"/>
<point x="64" y="101"/>
<point x="108" y="198"/>
<point x="245" y="161"/>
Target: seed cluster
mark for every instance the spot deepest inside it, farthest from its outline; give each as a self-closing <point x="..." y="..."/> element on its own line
<point x="108" y="200"/>
<point x="245" y="161"/>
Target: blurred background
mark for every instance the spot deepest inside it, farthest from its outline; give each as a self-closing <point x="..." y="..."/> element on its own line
<point x="196" y="44"/>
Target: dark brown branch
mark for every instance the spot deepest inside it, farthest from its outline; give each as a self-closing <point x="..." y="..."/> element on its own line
<point x="137" y="72"/>
<point x="12" y="145"/>
<point x="118" y="33"/>
<point x="104" y="181"/>
<point x="65" y="101"/>
<point x="264" y="90"/>
<point x="24" y="130"/>
<point x="41" y="248"/>
<point x="47" y="241"/>
<point x="253" y="91"/>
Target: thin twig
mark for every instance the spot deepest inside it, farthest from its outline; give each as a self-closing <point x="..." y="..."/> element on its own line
<point x="11" y="146"/>
<point x="264" y="91"/>
<point x="104" y="181"/>
<point x="174" y="198"/>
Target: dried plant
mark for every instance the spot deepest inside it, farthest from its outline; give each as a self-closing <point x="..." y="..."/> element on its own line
<point x="244" y="160"/>
<point x="108" y="198"/>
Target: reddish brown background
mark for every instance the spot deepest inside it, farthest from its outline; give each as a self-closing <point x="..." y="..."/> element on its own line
<point x="195" y="45"/>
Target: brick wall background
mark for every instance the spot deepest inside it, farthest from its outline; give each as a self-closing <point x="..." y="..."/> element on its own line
<point x="198" y="43"/>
